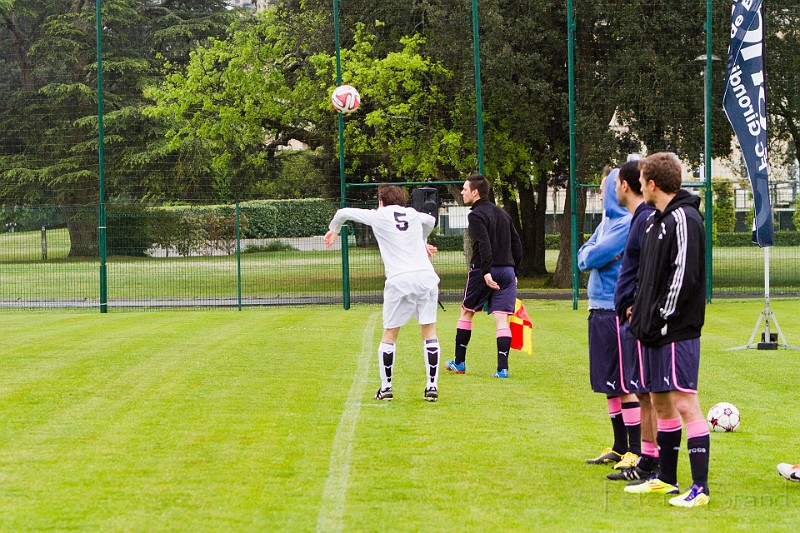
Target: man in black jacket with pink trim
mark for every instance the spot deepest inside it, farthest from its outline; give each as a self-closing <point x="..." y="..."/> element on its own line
<point x="492" y="277"/>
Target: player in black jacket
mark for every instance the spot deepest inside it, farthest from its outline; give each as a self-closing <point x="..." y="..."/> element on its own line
<point x="667" y="316"/>
<point x="492" y="277"/>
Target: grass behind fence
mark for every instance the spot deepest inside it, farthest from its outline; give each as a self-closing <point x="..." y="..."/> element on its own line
<point x="215" y="421"/>
<point x="289" y="273"/>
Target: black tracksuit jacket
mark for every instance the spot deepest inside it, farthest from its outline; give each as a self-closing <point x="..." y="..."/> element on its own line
<point x="670" y="297"/>
<point x="495" y="242"/>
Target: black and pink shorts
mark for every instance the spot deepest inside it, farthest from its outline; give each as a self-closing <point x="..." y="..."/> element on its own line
<point x="673" y="366"/>
<point x="477" y="294"/>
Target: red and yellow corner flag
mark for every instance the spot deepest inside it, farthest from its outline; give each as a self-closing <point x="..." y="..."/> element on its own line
<point x="521" y="329"/>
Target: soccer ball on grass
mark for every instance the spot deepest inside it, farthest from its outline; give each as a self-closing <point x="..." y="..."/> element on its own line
<point x="345" y="99"/>
<point x="723" y="417"/>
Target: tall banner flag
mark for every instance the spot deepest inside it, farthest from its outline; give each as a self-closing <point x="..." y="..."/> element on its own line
<point x="745" y="104"/>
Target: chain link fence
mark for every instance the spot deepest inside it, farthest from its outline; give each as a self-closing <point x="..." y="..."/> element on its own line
<point x="217" y="119"/>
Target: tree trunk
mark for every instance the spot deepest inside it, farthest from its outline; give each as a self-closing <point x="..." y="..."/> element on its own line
<point x="19" y="47"/>
<point x="82" y="228"/>
<point x="523" y="216"/>
<point x="539" y="216"/>
<point x="562" y="277"/>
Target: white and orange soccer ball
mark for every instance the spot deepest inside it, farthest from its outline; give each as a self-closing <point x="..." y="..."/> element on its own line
<point x="345" y="99"/>
<point x="723" y="417"/>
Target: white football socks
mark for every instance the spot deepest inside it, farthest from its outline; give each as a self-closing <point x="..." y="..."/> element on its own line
<point x="432" y="362"/>
<point x="385" y="363"/>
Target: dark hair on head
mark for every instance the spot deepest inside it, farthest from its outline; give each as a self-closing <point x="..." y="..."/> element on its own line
<point x="392" y="195"/>
<point x="664" y="168"/>
<point x="480" y="183"/>
<point x="629" y="173"/>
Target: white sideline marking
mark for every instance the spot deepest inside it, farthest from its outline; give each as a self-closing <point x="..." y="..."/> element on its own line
<point x="334" y="495"/>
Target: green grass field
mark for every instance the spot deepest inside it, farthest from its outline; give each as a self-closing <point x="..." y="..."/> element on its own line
<point x="263" y="420"/>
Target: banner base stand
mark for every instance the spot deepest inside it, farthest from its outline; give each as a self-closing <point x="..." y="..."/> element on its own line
<point x="769" y="341"/>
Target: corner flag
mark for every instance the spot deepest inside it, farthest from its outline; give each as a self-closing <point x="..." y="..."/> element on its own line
<point x="745" y="103"/>
<point x="521" y="329"/>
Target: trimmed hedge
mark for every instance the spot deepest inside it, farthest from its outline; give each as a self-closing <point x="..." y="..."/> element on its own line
<point x="28" y="218"/>
<point x="456" y="242"/>
<point x="194" y="229"/>
<point x="782" y="238"/>
<point x="287" y="218"/>
<point x="447" y="243"/>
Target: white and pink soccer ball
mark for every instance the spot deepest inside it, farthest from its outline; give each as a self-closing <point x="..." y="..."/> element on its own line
<point x="345" y="99"/>
<point x="723" y="417"/>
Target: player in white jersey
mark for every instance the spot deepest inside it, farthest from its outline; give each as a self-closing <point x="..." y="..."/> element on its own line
<point x="412" y="286"/>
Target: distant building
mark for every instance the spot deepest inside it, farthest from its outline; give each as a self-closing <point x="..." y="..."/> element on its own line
<point x="243" y="3"/>
<point x="253" y="4"/>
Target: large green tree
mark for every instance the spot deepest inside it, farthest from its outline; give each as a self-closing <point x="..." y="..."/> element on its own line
<point x="240" y="100"/>
<point x="48" y="142"/>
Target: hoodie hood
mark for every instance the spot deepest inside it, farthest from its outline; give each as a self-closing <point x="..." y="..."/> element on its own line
<point x="611" y="207"/>
<point x="683" y="198"/>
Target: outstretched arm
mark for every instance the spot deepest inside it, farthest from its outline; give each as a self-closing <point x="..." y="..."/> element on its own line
<point x="365" y="216"/>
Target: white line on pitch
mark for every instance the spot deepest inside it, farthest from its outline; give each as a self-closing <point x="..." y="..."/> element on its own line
<point x="331" y="512"/>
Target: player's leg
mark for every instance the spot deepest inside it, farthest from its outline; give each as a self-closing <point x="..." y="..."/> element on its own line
<point x="649" y="457"/>
<point x="686" y="357"/>
<point x="463" y="335"/>
<point x="475" y="295"/>
<point x="632" y="420"/>
<point x="431" y="352"/>
<point x="636" y="377"/>
<point x="386" y="353"/>
<point x="646" y="465"/>
<point x="396" y="312"/>
<point x="501" y="305"/>
<point x="630" y="383"/>
<point x="668" y="436"/>
<point x="604" y="377"/>
<point x="503" y="343"/>
<point x="698" y="444"/>
<point x="669" y="440"/>
<point x="427" y="304"/>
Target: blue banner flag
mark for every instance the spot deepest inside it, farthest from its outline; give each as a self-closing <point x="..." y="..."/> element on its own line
<point x="745" y="104"/>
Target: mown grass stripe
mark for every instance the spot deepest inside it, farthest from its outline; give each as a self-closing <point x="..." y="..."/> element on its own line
<point x="334" y="495"/>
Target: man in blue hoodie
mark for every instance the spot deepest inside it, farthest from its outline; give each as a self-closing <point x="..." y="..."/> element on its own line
<point x="601" y="255"/>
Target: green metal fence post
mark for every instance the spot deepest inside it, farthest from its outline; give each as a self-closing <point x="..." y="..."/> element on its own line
<point x="238" y="258"/>
<point x="573" y="197"/>
<point x="478" y="98"/>
<point x="101" y="225"/>
<point x="342" y="188"/>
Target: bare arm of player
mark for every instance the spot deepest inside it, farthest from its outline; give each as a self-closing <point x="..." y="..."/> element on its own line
<point x="431" y="249"/>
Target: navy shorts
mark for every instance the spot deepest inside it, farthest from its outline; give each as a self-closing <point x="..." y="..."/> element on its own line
<point x="674" y="366"/>
<point x="633" y="371"/>
<point x="604" y="369"/>
<point x="477" y="293"/>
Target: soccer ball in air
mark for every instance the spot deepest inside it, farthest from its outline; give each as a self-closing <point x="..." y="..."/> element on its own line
<point x="345" y="99"/>
<point x="723" y="417"/>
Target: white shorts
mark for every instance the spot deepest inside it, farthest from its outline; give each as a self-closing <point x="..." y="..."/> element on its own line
<point x="412" y="294"/>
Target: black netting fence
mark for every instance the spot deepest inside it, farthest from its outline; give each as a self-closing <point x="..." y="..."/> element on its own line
<point x="220" y="161"/>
